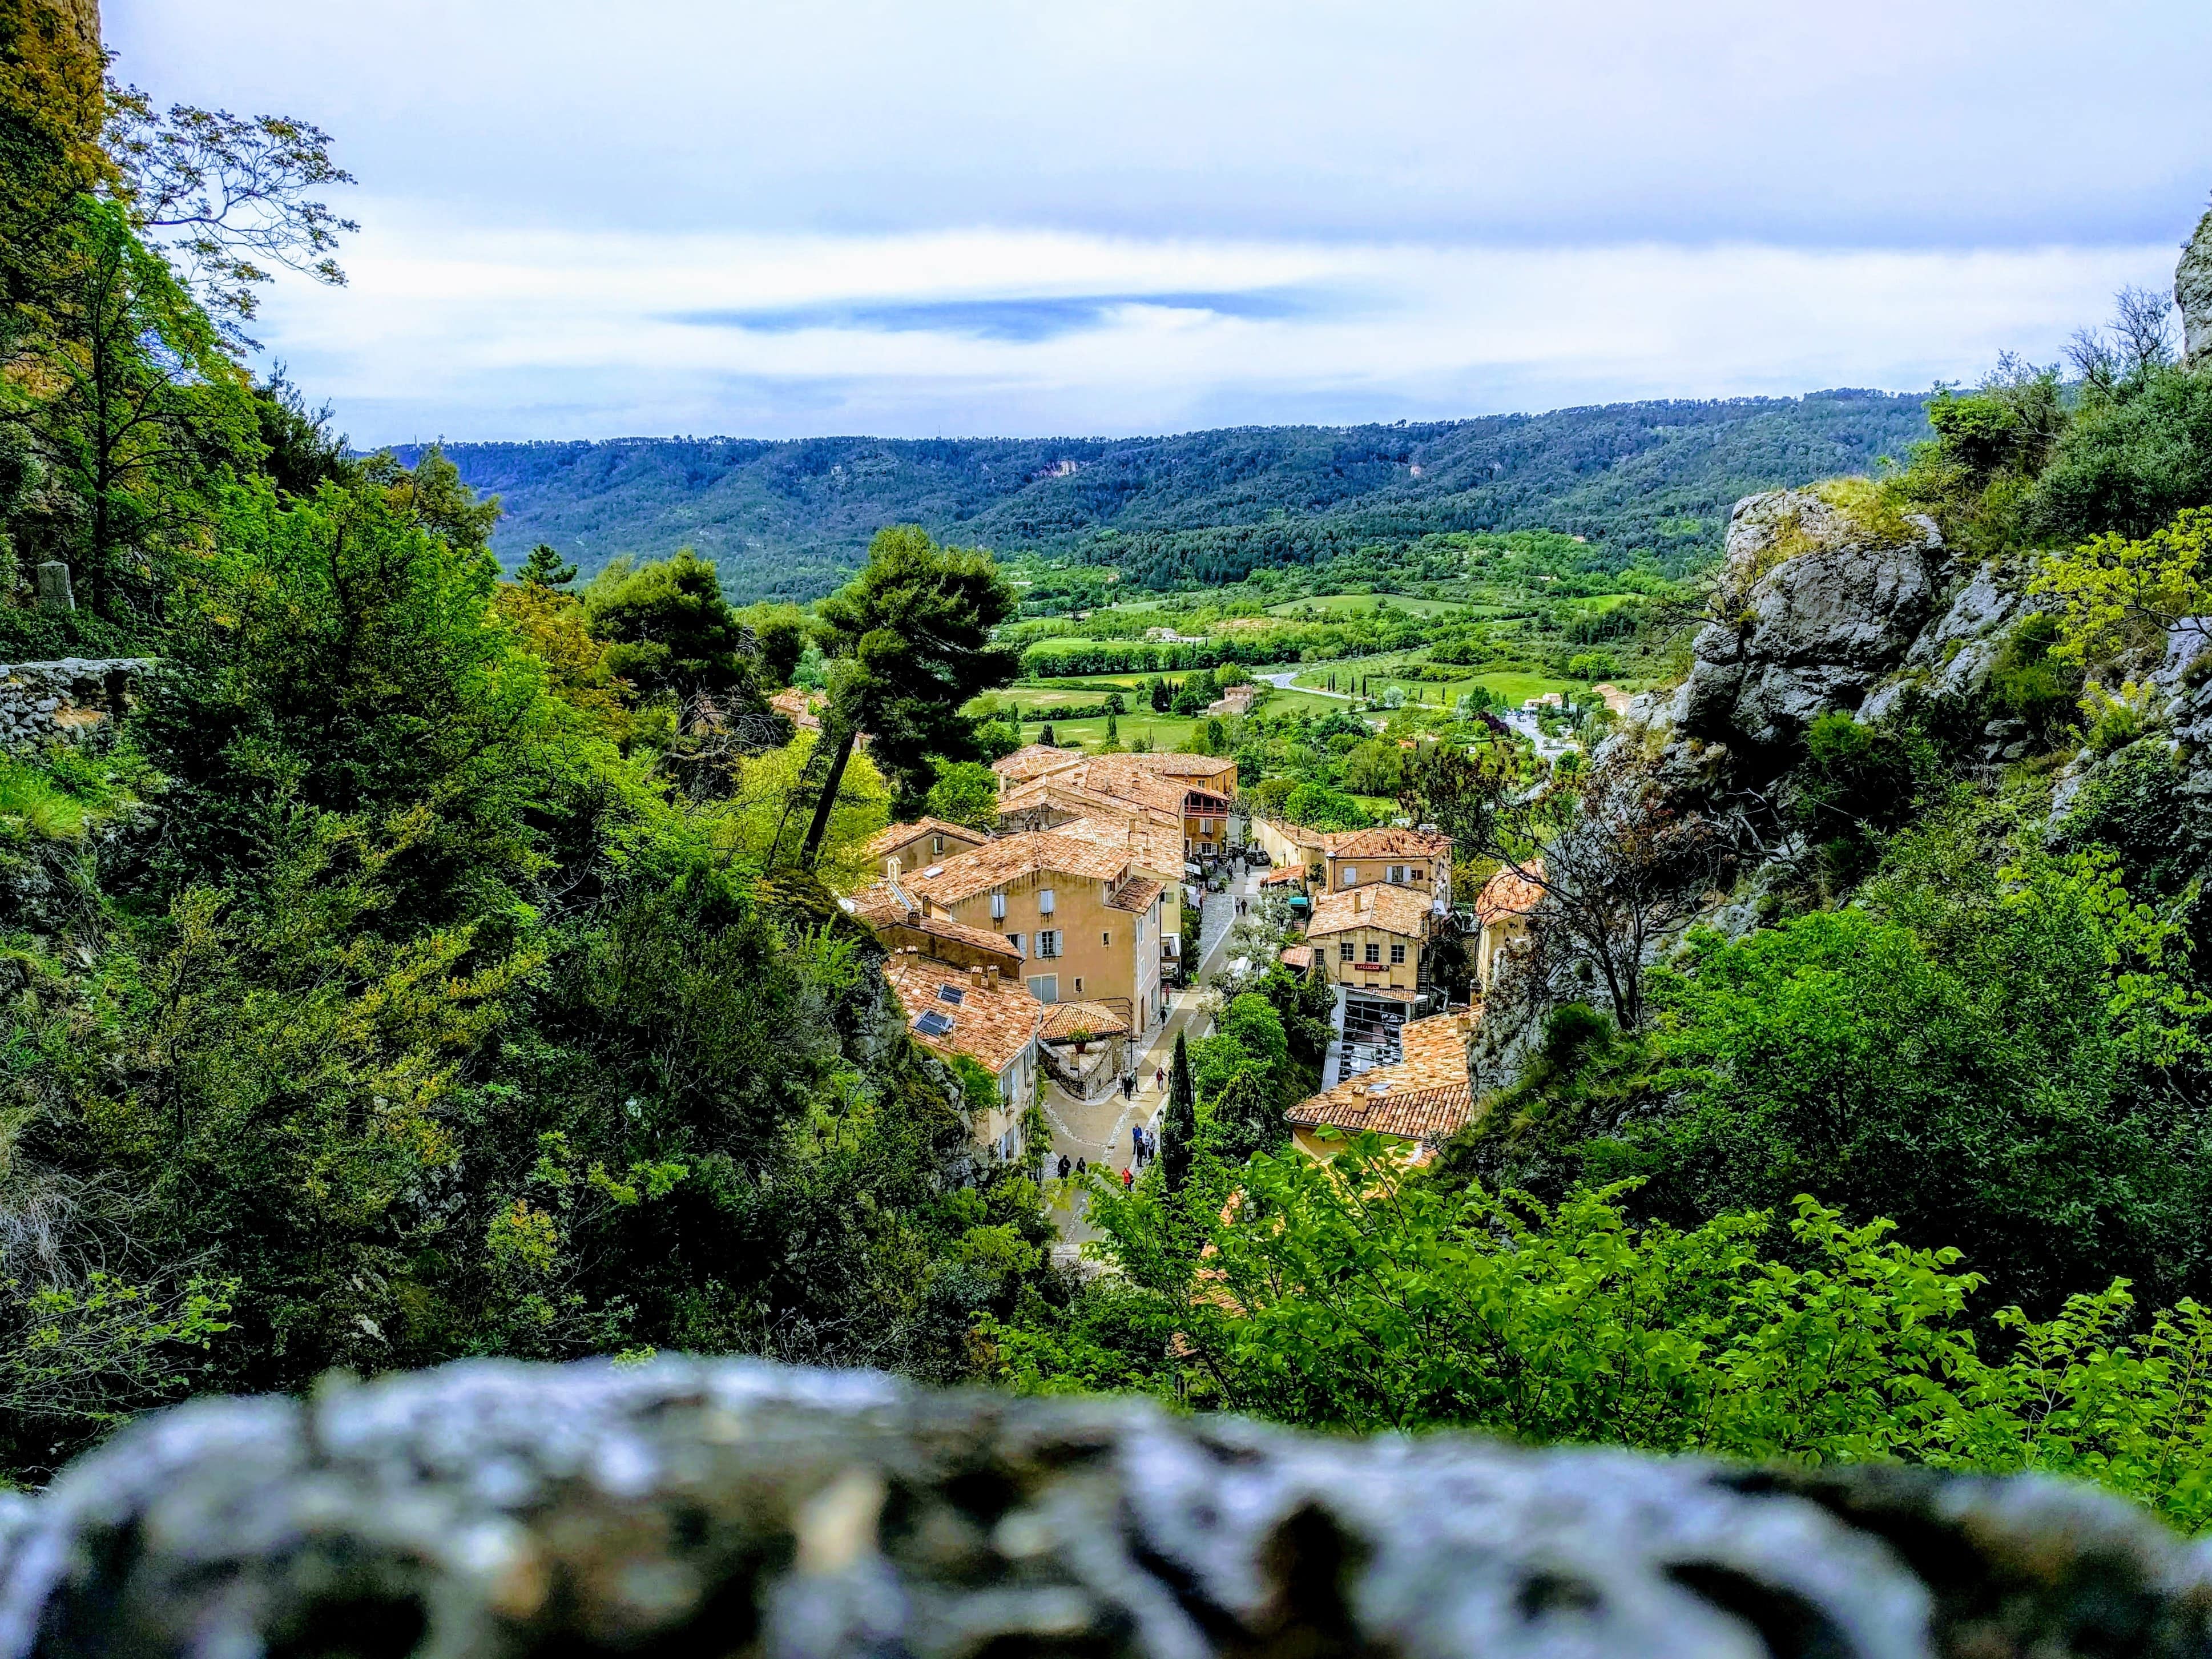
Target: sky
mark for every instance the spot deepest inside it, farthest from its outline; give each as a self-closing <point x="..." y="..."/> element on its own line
<point x="769" y="219"/>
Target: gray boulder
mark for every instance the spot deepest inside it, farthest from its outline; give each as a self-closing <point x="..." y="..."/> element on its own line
<point x="1818" y="606"/>
<point x="495" y="1509"/>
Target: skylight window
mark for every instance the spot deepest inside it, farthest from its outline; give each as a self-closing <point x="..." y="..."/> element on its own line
<point x="955" y="994"/>
<point x="934" y="1024"/>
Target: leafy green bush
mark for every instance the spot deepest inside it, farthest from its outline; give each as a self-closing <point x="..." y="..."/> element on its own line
<point x="1340" y="1295"/>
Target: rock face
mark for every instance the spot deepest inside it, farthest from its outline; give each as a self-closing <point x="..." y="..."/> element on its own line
<point x="2192" y="291"/>
<point x="1819" y="608"/>
<point x="691" y="1507"/>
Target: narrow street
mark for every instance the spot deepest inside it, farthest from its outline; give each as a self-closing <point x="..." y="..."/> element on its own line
<point x="1097" y="1130"/>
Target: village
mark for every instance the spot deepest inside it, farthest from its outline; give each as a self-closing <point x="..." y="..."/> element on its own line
<point x="1054" y="952"/>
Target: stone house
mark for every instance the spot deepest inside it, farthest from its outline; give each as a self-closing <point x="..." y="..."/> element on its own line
<point x="1417" y="859"/>
<point x="1084" y="918"/>
<point x="1501" y="912"/>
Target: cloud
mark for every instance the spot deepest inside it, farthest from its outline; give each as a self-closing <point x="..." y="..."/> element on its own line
<point x="516" y="334"/>
<point x="1021" y="317"/>
<point x="806" y="215"/>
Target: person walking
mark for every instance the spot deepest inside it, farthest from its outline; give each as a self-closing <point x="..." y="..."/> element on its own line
<point x="1129" y="1086"/>
<point x="1137" y="1144"/>
<point x="1064" y="1166"/>
<point x="1082" y="1166"/>
<point x="1159" y="1077"/>
<point x="1127" y="1180"/>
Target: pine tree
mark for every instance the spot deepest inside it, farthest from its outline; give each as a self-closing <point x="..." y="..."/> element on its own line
<point x="1179" y="1123"/>
<point x="1113" y="730"/>
<point x="1046" y="738"/>
<point x="545" y="569"/>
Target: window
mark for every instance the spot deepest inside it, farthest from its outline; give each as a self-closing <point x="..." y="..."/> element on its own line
<point x="1048" y="942"/>
<point x="998" y="907"/>
<point x="1344" y="952"/>
<point x="1079" y="985"/>
<point x="951" y="994"/>
<point x="1015" y="939"/>
<point x="1351" y="874"/>
<point x="1398" y="874"/>
<point x="937" y="843"/>
<point x="1397" y="956"/>
<point x="1045" y="988"/>
<point x="1106" y="940"/>
<point x="1044" y="901"/>
<point x="1373" y="952"/>
<point x="934" y="1024"/>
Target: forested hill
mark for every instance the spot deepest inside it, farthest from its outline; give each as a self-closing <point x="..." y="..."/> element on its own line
<point x="790" y="518"/>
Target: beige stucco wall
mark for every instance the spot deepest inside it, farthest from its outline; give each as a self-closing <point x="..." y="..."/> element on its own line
<point x="1101" y="956"/>
<point x="1404" y="975"/>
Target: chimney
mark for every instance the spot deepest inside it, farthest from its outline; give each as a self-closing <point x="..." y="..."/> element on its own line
<point x="975" y="975"/>
<point x="990" y="977"/>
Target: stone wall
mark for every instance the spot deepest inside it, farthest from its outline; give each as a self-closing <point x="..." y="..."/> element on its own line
<point x="733" y="1508"/>
<point x="77" y="698"/>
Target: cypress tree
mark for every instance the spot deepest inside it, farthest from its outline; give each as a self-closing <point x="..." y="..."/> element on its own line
<point x="1179" y="1123"/>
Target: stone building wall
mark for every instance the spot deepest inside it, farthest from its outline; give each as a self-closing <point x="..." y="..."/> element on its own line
<point x="77" y="698"/>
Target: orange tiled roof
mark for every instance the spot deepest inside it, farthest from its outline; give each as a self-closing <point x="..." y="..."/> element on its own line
<point x="1154" y="849"/>
<point x="1137" y="895"/>
<point x="991" y="1023"/>
<point x="1300" y="957"/>
<point x="1393" y="909"/>
<point x="997" y="861"/>
<point x="1425" y="1097"/>
<point x="1389" y="841"/>
<point x="1033" y="760"/>
<point x="1285" y="873"/>
<point x="1062" y="1020"/>
<point x="1507" y="893"/>
<point x="796" y="705"/>
<point x="892" y="836"/>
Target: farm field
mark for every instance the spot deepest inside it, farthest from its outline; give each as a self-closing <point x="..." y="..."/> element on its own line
<point x="1513" y="687"/>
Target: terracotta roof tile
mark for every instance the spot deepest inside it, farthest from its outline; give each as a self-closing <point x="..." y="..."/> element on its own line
<point x="997" y="861"/>
<point x="1062" y="1020"/>
<point x="1300" y="957"/>
<point x="990" y="1024"/>
<point x="892" y="836"/>
<point x="1137" y="895"/>
<point x="1507" y="893"/>
<point x="1393" y="909"/>
<point x="1426" y="1097"/>
<point x="1033" y="760"/>
<point x="1287" y="873"/>
<point x="1389" y="842"/>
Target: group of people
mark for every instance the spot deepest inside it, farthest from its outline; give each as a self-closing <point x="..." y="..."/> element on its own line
<point x="1144" y="1146"/>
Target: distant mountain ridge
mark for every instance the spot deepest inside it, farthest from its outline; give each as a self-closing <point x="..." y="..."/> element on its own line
<point x="791" y="518"/>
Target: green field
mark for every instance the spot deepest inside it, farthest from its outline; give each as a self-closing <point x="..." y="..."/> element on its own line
<point x="1513" y="687"/>
<point x="1322" y="604"/>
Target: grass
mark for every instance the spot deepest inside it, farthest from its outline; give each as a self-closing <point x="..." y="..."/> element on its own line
<point x="1512" y="686"/>
<point x="1163" y="731"/>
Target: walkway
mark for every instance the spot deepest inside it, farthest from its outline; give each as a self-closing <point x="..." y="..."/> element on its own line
<point x="1097" y="1130"/>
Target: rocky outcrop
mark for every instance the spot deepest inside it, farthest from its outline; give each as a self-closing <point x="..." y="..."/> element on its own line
<point x="1817" y="606"/>
<point x="74" y="698"/>
<point x="496" y="1509"/>
<point x="2192" y="291"/>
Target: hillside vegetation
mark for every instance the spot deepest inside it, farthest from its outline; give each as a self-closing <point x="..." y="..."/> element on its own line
<point x="790" y="518"/>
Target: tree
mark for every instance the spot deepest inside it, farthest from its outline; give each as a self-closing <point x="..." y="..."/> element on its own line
<point x="966" y="791"/>
<point x="1163" y="698"/>
<point x="914" y="627"/>
<point x="545" y="569"/>
<point x="230" y="193"/>
<point x="2115" y="590"/>
<point x="1179" y="1122"/>
<point x="145" y="413"/>
<point x="1046" y="737"/>
<point x="780" y="635"/>
<point x="1113" y="732"/>
<point x="669" y="630"/>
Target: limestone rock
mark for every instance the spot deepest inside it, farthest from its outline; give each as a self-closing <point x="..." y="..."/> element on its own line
<point x="1822" y="607"/>
<point x="731" y="1507"/>
<point x="2192" y="291"/>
